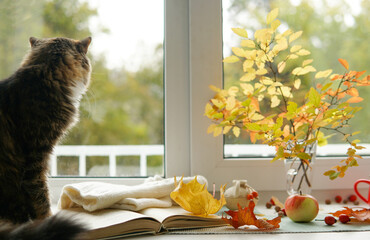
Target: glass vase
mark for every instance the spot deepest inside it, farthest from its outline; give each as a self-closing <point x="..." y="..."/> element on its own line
<point x="298" y="174"/>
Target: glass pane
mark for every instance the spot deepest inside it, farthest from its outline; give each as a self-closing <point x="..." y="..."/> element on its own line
<point x="331" y="30"/>
<point x="122" y="112"/>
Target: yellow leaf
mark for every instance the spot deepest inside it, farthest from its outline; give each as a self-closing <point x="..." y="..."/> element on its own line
<point x="241" y="32"/>
<point x="248" y="77"/>
<point x="261" y="71"/>
<point x="247" y="64"/>
<point x="275" y="24"/>
<point x="211" y="128"/>
<point x="227" y="129"/>
<point x="294" y="36"/>
<point x="230" y="103"/>
<point x="271" y="90"/>
<point x="309" y="69"/>
<point x="281" y="67"/>
<point x="257" y="117"/>
<point x="306" y="62"/>
<point x="247" y="43"/>
<point x="266" y="81"/>
<point x="303" y="52"/>
<point x="236" y="131"/>
<point x="287" y="33"/>
<point x="233" y="90"/>
<point x="263" y="35"/>
<point x="195" y="198"/>
<point x="275" y="101"/>
<point x="260" y="87"/>
<point x="292" y="56"/>
<point x="297" y="70"/>
<point x="231" y="59"/>
<point x="344" y="63"/>
<point x="297" y="83"/>
<point x="272" y="15"/>
<point x="238" y="51"/>
<point x="248" y="88"/>
<point x="281" y="45"/>
<point x="295" y="48"/>
<point x="217" y="103"/>
<point x="214" y="88"/>
<point x="217" y="131"/>
<point x="286" y="91"/>
<point x="208" y="109"/>
<point x="323" y="74"/>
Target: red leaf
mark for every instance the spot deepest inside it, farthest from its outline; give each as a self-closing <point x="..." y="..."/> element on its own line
<point x="246" y="216"/>
<point x="344" y="63"/>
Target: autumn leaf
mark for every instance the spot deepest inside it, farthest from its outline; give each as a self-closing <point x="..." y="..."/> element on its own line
<point x="241" y="32"/>
<point x="355" y="100"/>
<point x="231" y="59"/>
<point x="195" y="198"/>
<point x="361" y="214"/>
<point x="272" y="15"/>
<point x="344" y="63"/>
<point x="246" y="216"/>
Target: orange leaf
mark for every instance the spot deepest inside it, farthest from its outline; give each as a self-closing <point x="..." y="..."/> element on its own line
<point x="344" y="63"/>
<point x="246" y="216"/>
<point x="353" y="92"/>
<point x="362" y="214"/>
<point x="355" y="100"/>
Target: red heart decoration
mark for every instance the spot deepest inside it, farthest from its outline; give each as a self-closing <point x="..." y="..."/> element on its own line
<point x="359" y="194"/>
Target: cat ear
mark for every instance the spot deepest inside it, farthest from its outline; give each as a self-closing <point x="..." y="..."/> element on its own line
<point x="84" y="43"/>
<point x="33" y="41"/>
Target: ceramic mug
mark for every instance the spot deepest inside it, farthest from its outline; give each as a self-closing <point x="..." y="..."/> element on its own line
<point x="359" y="194"/>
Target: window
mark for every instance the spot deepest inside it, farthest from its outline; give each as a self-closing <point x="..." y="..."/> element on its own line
<point x="120" y="132"/>
<point x="332" y="30"/>
<point x="207" y="151"/>
<point x="192" y="61"/>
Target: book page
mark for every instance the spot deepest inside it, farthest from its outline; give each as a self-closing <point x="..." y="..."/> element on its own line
<point x="178" y="218"/>
<point x="112" y="222"/>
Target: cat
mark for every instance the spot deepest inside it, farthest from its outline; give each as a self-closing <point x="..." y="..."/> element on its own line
<point x="38" y="105"/>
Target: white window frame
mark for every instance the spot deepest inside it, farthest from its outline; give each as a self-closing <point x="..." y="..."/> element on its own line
<point x="193" y="54"/>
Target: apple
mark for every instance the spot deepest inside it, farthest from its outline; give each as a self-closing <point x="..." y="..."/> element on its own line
<point x="301" y="208"/>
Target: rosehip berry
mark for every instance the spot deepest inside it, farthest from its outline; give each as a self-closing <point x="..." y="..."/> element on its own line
<point x="352" y="198"/>
<point x="281" y="214"/>
<point x="277" y="209"/>
<point x="328" y="201"/>
<point x="330" y="220"/>
<point x="268" y="205"/>
<point x="345" y="201"/>
<point x="343" y="218"/>
<point x="255" y="194"/>
<point x="283" y="210"/>
<point x="338" y="199"/>
<point x="249" y="196"/>
<point x="356" y="202"/>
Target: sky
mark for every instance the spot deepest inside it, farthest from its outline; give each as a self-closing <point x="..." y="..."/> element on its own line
<point x="136" y="28"/>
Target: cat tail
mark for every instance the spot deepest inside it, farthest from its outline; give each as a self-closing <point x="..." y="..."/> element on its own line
<point x="57" y="227"/>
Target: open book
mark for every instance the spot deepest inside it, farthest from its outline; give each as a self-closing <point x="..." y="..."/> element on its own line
<point x="115" y="223"/>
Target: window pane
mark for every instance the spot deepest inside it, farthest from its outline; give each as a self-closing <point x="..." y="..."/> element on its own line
<point x="331" y="30"/>
<point x="122" y="113"/>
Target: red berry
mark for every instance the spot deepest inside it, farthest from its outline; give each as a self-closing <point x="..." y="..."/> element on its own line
<point x="268" y="205"/>
<point x="352" y="198"/>
<point x="255" y="194"/>
<point x="338" y="199"/>
<point x="283" y="210"/>
<point x="343" y="218"/>
<point x="277" y="209"/>
<point x="330" y="220"/>
<point x="327" y="201"/>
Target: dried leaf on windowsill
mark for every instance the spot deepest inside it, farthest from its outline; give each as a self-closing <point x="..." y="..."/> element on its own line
<point x="195" y="198"/>
<point x="246" y="216"/>
<point x="358" y="213"/>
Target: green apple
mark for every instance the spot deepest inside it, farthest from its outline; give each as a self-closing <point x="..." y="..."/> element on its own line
<point x="301" y="208"/>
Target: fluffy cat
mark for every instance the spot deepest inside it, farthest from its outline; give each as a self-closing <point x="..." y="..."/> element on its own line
<point x="38" y="104"/>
